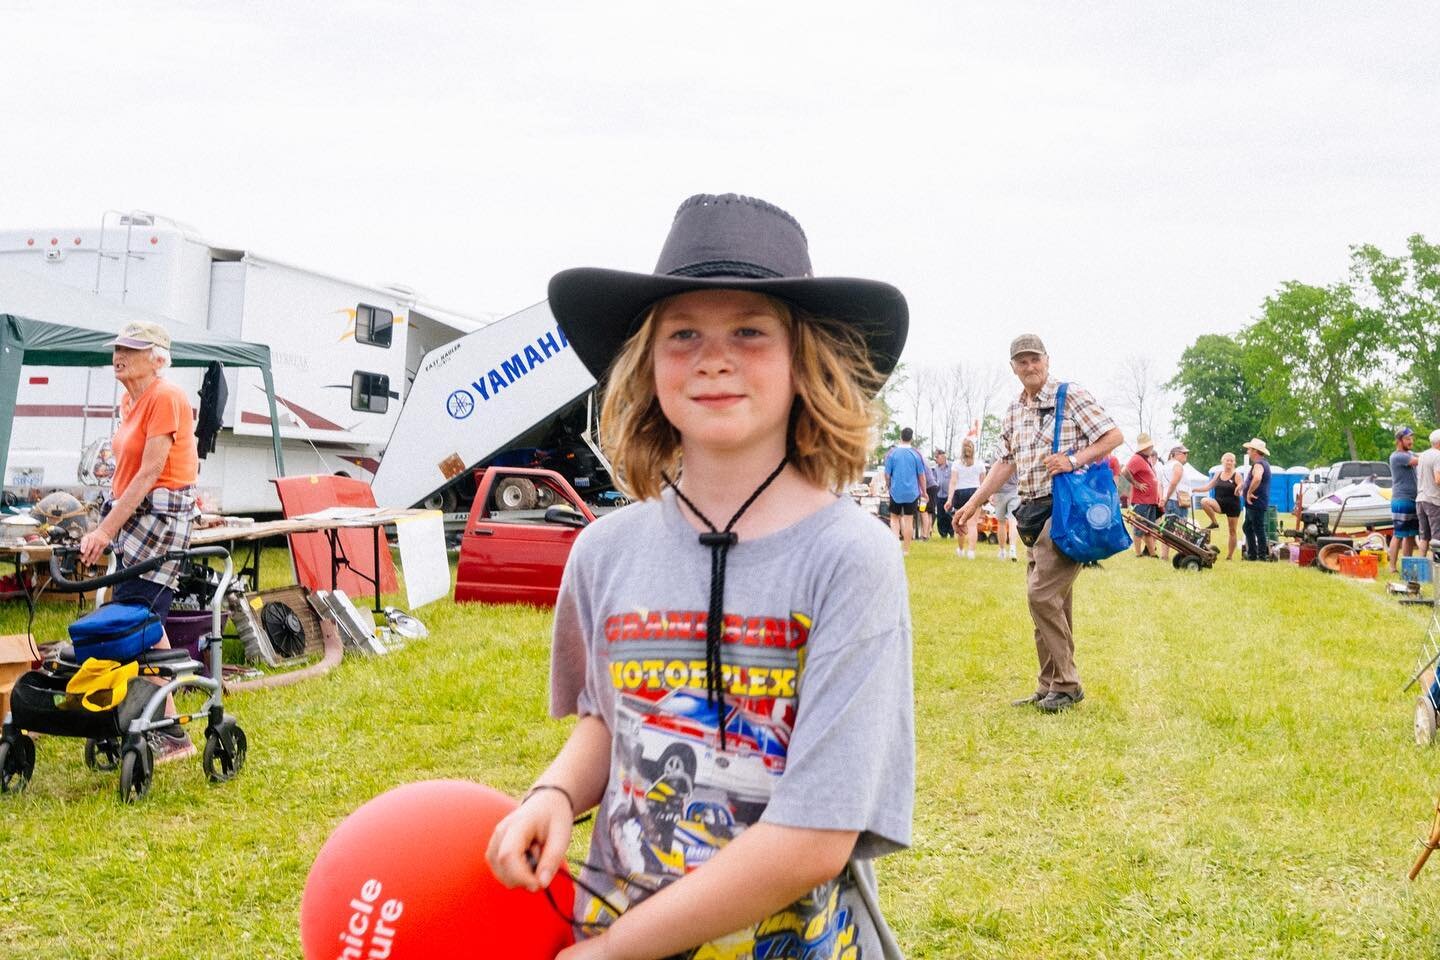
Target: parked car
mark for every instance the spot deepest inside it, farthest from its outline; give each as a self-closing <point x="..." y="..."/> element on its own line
<point x="522" y="525"/>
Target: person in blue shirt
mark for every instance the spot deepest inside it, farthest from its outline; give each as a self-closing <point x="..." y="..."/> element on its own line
<point x="906" y="478"/>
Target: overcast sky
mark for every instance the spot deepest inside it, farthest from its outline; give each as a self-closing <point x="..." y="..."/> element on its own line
<point x="1115" y="177"/>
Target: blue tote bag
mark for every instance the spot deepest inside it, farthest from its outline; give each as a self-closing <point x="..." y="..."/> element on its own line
<point x="1085" y="520"/>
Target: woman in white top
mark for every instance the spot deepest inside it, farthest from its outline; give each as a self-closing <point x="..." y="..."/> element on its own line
<point x="964" y="481"/>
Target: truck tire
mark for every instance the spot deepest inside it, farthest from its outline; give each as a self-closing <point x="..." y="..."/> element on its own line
<point x="545" y="497"/>
<point x="515" y="493"/>
<point x="446" y="501"/>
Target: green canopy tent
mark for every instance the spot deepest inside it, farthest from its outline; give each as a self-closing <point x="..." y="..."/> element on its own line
<point x="44" y="323"/>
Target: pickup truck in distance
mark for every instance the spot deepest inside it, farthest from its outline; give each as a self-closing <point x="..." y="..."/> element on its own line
<point x="522" y="524"/>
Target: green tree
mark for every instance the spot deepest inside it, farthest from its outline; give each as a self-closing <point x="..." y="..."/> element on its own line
<point x="1405" y="291"/>
<point x="1219" y="406"/>
<point x="1317" y="355"/>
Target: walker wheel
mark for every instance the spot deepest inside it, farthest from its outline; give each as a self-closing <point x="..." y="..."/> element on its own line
<point x="135" y="773"/>
<point x="1424" y="721"/>
<point x="103" y="755"/>
<point x="1189" y="563"/>
<point x="1175" y="560"/>
<point x="17" y="763"/>
<point x="225" y="750"/>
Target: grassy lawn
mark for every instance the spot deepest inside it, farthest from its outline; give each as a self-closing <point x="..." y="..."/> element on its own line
<point x="1239" y="782"/>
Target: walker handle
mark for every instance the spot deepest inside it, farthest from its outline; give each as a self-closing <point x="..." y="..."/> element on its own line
<point x="66" y="585"/>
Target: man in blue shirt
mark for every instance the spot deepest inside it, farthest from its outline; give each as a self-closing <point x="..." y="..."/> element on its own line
<point x="905" y="475"/>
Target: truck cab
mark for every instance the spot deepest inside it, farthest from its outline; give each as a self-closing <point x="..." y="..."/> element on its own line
<point x="521" y="527"/>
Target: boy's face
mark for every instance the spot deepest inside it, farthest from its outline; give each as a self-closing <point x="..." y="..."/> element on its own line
<point x="722" y="371"/>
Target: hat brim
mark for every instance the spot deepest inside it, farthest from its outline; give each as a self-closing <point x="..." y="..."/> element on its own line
<point x="599" y="309"/>
<point x="131" y="343"/>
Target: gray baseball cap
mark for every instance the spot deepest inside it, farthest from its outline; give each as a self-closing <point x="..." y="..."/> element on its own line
<point x="1026" y="343"/>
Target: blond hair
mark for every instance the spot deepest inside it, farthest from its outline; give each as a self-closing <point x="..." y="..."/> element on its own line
<point x="830" y="421"/>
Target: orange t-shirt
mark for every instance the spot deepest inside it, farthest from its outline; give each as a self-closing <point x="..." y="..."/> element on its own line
<point x="163" y="409"/>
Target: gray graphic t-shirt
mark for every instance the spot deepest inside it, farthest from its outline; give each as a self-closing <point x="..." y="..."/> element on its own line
<point x="818" y="715"/>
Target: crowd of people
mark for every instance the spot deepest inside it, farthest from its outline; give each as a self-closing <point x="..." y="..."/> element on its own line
<point x="1240" y="495"/>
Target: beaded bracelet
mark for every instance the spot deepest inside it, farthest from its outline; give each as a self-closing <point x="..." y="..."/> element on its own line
<point x="550" y="786"/>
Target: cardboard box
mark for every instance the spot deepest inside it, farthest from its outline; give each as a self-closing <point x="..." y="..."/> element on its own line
<point x="17" y="654"/>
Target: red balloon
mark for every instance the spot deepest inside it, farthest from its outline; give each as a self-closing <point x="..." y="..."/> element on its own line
<point x="404" y="877"/>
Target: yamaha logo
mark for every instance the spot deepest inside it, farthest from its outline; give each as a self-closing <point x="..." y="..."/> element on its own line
<point x="460" y="404"/>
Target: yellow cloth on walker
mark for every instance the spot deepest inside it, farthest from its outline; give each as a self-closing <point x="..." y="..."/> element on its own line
<point x="100" y="684"/>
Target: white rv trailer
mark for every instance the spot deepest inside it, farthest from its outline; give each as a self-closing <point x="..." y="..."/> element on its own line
<point x="343" y="355"/>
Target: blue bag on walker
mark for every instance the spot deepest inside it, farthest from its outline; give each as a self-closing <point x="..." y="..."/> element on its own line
<point x="1085" y="520"/>
<point x="116" y="631"/>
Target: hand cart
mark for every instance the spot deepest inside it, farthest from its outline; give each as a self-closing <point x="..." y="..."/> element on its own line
<point x="1190" y="543"/>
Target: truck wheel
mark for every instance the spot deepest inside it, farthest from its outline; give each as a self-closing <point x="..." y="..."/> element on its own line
<point x="515" y="493"/>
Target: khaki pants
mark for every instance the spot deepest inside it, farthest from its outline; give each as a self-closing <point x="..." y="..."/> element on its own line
<point x="1049" y="585"/>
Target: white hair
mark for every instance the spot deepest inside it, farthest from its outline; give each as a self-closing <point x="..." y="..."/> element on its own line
<point x="1434" y="437"/>
<point x="161" y="355"/>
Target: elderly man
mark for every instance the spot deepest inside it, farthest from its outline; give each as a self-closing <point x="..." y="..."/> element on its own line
<point x="1087" y="435"/>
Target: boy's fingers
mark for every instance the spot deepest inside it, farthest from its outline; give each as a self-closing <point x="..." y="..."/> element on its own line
<point x="552" y="855"/>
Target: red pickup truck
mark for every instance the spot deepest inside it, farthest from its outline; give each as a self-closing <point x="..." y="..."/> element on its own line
<point x="518" y="536"/>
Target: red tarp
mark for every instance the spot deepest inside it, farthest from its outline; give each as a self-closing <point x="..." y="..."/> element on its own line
<point x="311" y="494"/>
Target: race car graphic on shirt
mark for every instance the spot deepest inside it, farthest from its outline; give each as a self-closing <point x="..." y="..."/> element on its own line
<point x="681" y="793"/>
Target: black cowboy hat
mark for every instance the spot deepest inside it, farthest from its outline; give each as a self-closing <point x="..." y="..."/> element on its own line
<point x="725" y="242"/>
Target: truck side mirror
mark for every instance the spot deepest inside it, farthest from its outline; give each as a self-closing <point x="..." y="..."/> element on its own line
<point x="566" y="516"/>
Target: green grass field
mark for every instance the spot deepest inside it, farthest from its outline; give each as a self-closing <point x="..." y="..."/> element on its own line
<point x="1239" y="782"/>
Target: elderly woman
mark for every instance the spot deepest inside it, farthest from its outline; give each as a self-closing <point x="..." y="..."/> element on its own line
<point x="152" y="494"/>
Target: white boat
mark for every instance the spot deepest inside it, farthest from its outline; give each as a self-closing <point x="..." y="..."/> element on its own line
<point x="1361" y="504"/>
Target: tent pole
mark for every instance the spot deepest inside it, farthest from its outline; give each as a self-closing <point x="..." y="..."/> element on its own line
<point x="274" y="420"/>
<point x="12" y="358"/>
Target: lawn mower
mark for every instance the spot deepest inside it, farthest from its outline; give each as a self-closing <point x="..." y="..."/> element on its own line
<point x="98" y="687"/>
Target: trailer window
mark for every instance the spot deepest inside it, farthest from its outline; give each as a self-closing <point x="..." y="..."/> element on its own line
<point x="369" y="392"/>
<point x="373" y="325"/>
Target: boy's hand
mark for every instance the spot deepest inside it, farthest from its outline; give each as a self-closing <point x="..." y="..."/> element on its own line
<point x="528" y="847"/>
<point x="595" y="948"/>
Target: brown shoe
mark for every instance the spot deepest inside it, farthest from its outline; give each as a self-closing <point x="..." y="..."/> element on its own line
<point x="1029" y="701"/>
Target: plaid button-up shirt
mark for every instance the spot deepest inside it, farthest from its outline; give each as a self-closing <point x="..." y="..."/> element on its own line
<point x="1028" y="430"/>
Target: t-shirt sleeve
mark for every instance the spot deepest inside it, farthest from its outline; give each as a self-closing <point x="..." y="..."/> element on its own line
<point x="851" y="763"/>
<point x="165" y="414"/>
<point x="572" y="686"/>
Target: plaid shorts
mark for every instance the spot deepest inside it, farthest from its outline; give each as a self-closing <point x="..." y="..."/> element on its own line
<point x="163" y="521"/>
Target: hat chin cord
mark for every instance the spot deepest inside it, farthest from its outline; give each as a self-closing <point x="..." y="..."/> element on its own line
<point x="719" y="542"/>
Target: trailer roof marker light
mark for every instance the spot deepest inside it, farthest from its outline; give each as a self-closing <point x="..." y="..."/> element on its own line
<point x="30" y="242"/>
<point x="54" y="241"/>
<point x="77" y="241"/>
<point x="154" y="240"/>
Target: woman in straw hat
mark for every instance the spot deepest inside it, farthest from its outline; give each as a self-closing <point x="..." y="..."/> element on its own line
<point x="736" y="644"/>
